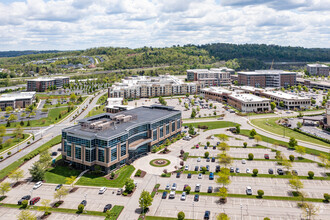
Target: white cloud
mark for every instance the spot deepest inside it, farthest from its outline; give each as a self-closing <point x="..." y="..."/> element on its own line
<point x="79" y="24"/>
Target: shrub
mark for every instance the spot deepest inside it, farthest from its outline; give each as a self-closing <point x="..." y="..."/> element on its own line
<point x="310" y="174"/>
<point x="244" y="144"/>
<point x="28" y="142"/>
<point x="1" y="157"/>
<point x="181" y="215"/>
<point x="24" y="204"/>
<point x="255" y="172"/>
<point x="187" y="189"/>
<point x="112" y="175"/>
<point x="260" y="193"/>
<point x="291" y="157"/>
<point x="206" y="154"/>
<point x="266" y="218"/>
<point x="250" y="156"/>
<point x="163" y="175"/>
<point x="138" y="172"/>
<point x="204" y="170"/>
<point x="81" y="208"/>
<point x="326" y="196"/>
<point x="9" y="153"/>
<point x="124" y="193"/>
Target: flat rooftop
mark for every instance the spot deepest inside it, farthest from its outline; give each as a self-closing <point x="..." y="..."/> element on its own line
<point x="283" y="95"/>
<point x="48" y="79"/>
<point x="265" y="72"/>
<point x="107" y="126"/>
<point x="316" y="65"/>
<point x="16" y="96"/>
<point x="219" y="90"/>
<point x="243" y="97"/>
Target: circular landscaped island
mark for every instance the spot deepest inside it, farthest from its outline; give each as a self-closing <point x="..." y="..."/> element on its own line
<point x="160" y="162"/>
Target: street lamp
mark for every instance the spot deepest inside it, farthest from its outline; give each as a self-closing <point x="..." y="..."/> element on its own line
<point x="241" y="211"/>
<point x="193" y="210"/>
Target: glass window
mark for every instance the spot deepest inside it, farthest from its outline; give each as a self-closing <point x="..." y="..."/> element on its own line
<point x="114" y="154"/>
<point x="161" y="132"/>
<point x="78" y="152"/>
<point x="68" y="150"/>
<point x="178" y="124"/>
<point x="154" y="135"/>
<point x="123" y="150"/>
<point x="93" y="154"/>
<point x="101" y="155"/>
<point x="88" y="155"/>
<point x="167" y="129"/>
<point x="173" y="126"/>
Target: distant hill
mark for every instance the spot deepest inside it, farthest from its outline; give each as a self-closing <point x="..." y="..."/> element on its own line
<point x="25" y="52"/>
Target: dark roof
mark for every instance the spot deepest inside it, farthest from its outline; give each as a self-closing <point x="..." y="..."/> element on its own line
<point x="145" y="114"/>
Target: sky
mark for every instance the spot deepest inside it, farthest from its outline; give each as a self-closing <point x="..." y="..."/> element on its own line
<point x="81" y="24"/>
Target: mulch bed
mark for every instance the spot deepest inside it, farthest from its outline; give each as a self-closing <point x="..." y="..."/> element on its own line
<point x="166" y="152"/>
<point x="59" y="202"/>
<point x="109" y="177"/>
<point x="73" y="190"/>
<point x="143" y="173"/>
<point x="45" y="216"/>
<point x="130" y="194"/>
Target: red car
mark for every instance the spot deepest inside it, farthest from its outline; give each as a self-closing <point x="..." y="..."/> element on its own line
<point x="34" y="200"/>
<point x="185" y="186"/>
<point x="266" y="156"/>
<point x="197" y="146"/>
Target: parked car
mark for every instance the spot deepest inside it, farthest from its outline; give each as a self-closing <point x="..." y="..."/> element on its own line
<point x="213" y="159"/>
<point x="266" y="156"/>
<point x="220" y="118"/>
<point x="196" y="168"/>
<point x="107" y="207"/>
<point x="34" y="200"/>
<point x="185" y="127"/>
<point x="186" y="167"/>
<point x="200" y="176"/>
<point x="54" y="153"/>
<point x="198" y="159"/>
<point x="164" y="195"/>
<point x="243" y="161"/>
<point x="198" y="188"/>
<point x="217" y="168"/>
<point x="295" y="172"/>
<point x="214" y="147"/>
<point x="84" y="202"/>
<point x="207" y="215"/>
<point x="59" y="186"/>
<point x="173" y="186"/>
<point x="205" y="147"/>
<point x="102" y="190"/>
<point x="183" y="196"/>
<point x="189" y="175"/>
<point x="248" y="170"/>
<point x="248" y="190"/>
<point x="211" y="176"/>
<point x="167" y="187"/>
<point x="270" y="171"/>
<point x="172" y="195"/>
<point x="208" y="159"/>
<point x="27" y="197"/>
<point x="237" y="170"/>
<point x="200" y="168"/>
<point x="210" y="189"/>
<point x="197" y="146"/>
<point x="280" y="171"/>
<point x="196" y="198"/>
<point x="207" y="167"/>
<point x="119" y="191"/>
<point x="178" y="175"/>
<point x="37" y="185"/>
<point x="231" y="169"/>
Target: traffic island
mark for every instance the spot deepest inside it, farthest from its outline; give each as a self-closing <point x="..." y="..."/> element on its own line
<point x="160" y="162"/>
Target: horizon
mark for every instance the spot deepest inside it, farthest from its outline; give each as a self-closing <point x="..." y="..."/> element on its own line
<point x="81" y="24"/>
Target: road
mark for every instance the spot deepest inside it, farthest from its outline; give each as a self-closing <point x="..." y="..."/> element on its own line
<point x="50" y="132"/>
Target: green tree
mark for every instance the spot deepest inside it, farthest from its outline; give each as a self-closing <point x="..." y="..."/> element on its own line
<point x="9" y="109"/>
<point x="16" y="175"/>
<point x="286" y="163"/>
<point x="223" y="147"/>
<point x="244" y="144"/>
<point x="223" y="216"/>
<point x="4" y="188"/>
<point x="281" y="104"/>
<point x="12" y="117"/>
<point x="26" y="215"/>
<point x="145" y="200"/>
<point x="310" y="174"/>
<point x="295" y="183"/>
<point x="206" y="154"/>
<point x="272" y="105"/>
<point x="191" y="130"/>
<point x="260" y="193"/>
<point x="257" y="138"/>
<point x="61" y="193"/>
<point x="37" y="171"/>
<point x="129" y="185"/>
<point x="2" y="130"/>
<point x="193" y="113"/>
<point x="292" y="142"/>
<point x="73" y="97"/>
<point x="291" y="158"/>
<point x="225" y="159"/>
<point x="223" y="137"/>
<point x="223" y="177"/>
<point x="252" y="133"/>
<point x="45" y="205"/>
<point x="299" y="124"/>
<point x="255" y="172"/>
<point x="81" y="208"/>
<point x="70" y="180"/>
<point x="181" y="215"/>
<point x="186" y="106"/>
<point x="250" y="156"/>
<point x="18" y="131"/>
<point x="300" y="150"/>
<point x="223" y="193"/>
<point x="187" y="189"/>
<point x="45" y="159"/>
<point x="238" y="129"/>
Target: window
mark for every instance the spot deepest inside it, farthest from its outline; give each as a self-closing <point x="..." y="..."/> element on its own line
<point x="78" y="141"/>
<point x="101" y="155"/>
<point x="173" y="126"/>
<point x="114" y="154"/>
<point x="68" y="150"/>
<point x="87" y="154"/>
<point x="123" y="150"/>
<point x="167" y="129"/>
<point x="161" y="132"/>
<point x="78" y="152"/>
<point x="154" y="135"/>
<point x="178" y="123"/>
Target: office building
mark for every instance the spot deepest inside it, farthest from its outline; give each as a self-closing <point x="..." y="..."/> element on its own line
<point x="42" y="84"/>
<point x="213" y="77"/>
<point x="318" y="69"/>
<point x="17" y="100"/>
<point x="115" y="105"/>
<point x="290" y="101"/>
<point x="111" y="140"/>
<point x="327" y="116"/>
<point x="267" y="78"/>
<point x="146" y="87"/>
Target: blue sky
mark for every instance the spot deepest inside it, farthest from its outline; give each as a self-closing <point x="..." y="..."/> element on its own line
<point x="81" y="24"/>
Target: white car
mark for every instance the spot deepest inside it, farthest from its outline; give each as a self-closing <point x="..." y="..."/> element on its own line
<point x="198" y="159"/>
<point x="168" y="186"/>
<point x="183" y="196"/>
<point x="200" y="176"/>
<point x="102" y="190"/>
<point x="243" y="161"/>
<point x="248" y="170"/>
<point x="248" y="190"/>
<point x="173" y="186"/>
<point x="37" y="185"/>
<point x="186" y="167"/>
<point x="172" y="195"/>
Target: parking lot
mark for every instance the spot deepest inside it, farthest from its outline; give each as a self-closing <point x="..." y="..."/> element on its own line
<point x="251" y="208"/>
<point x="95" y="201"/>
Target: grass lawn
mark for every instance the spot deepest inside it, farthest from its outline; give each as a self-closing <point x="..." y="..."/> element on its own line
<point x="282" y="143"/>
<point x="93" y="180"/>
<point x="159" y="218"/>
<point x="271" y="126"/>
<point x="59" y="173"/>
<point x="15" y="141"/>
<point x="213" y="124"/>
<point x="4" y="172"/>
<point x="52" y="115"/>
<point x="161" y="165"/>
<point x="102" y="99"/>
<point x="95" y="111"/>
<point x="45" y="96"/>
<point x="115" y="212"/>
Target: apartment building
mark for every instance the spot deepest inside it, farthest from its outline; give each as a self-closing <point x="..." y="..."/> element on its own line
<point x="318" y="69"/>
<point x="216" y="93"/>
<point x="213" y="77"/>
<point x="267" y="78"/>
<point x="17" y="100"/>
<point x="146" y="87"/>
<point x="111" y="140"/>
<point x="42" y="84"/>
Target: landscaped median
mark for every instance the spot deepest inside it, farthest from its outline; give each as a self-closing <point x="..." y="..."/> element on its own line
<point x="160" y="162"/>
<point x="6" y="147"/>
<point x="114" y="212"/>
<point x="249" y="196"/>
<point x="212" y="124"/>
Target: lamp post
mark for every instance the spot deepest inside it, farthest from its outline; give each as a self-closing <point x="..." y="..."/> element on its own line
<point x="241" y="211"/>
<point x="193" y="210"/>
